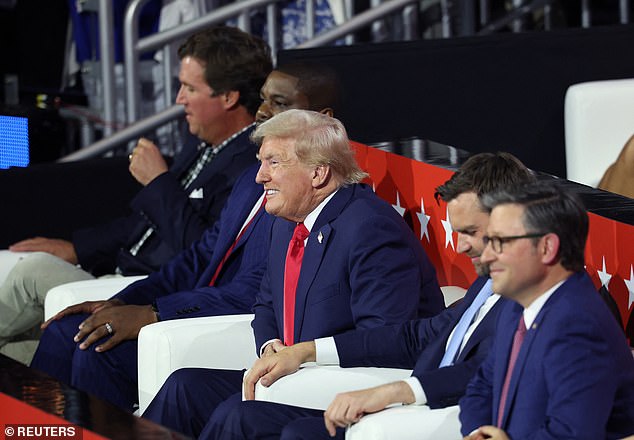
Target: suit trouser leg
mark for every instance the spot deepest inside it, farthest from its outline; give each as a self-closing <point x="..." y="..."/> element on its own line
<point x="54" y="354"/>
<point x="23" y="292"/>
<point x="189" y="396"/>
<point x="110" y="375"/>
<point x="264" y="421"/>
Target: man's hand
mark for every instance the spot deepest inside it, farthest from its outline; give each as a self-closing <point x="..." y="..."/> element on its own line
<point x="487" y="432"/>
<point x="85" y="307"/>
<point x="60" y="248"/>
<point x="272" y="348"/>
<point x="146" y="162"/>
<point x="125" y="321"/>
<point x="348" y="408"/>
<point x="270" y="368"/>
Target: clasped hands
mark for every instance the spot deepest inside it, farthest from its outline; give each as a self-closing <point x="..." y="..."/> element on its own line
<point x="125" y="322"/>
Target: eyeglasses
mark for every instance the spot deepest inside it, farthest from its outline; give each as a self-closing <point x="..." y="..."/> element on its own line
<point x="497" y="243"/>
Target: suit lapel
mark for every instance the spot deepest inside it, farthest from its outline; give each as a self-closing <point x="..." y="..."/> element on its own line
<point x="315" y="250"/>
<point x="223" y="159"/>
<point x="504" y="341"/>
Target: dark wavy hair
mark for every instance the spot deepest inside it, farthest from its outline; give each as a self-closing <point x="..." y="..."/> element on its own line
<point x="548" y="208"/>
<point x="233" y="61"/>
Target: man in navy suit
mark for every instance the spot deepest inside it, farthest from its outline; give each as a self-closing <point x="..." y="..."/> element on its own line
<point x="362" y="267"/>
<point x="181" y="288"/>
<point x="441" y="373"/>
<point x="559" y="366"/>
<point x="222" y="70"/>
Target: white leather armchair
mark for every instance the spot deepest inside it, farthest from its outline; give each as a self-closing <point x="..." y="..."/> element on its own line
<point x="598" y="121"/>
<point x="315" y="386"/>
<point x="224" y="342"/>
<point x="408" y="423"/>
<point x="60" y="297"/>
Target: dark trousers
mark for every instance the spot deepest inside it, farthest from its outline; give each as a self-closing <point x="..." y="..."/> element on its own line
<point x="266" y="421"/>
<point x="111" y="375"/>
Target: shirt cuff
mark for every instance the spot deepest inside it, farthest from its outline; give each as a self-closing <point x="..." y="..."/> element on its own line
<point x="267" y="343"/>
<point x="417" y="389"/>
<point x="326" y="351"/>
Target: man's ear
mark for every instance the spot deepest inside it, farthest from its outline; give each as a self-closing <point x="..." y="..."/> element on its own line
<point x="230" y="99"/>
<point x="327" y="111"/>
<point x="549" y="248"/>
<point x="321" y="175"/>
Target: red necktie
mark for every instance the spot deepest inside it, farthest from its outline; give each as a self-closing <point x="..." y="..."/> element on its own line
<point x="235" y="242"/>
<point x="293" y="265"/>
<point x="518" y="338"/>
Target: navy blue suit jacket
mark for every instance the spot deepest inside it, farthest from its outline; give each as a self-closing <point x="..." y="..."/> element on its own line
<point x="420" y="345"/>
<point x="363" y="267"/>
<point x="573" y="378"/>
<point x="178" y="219"/>
<point x="181" y="287"/>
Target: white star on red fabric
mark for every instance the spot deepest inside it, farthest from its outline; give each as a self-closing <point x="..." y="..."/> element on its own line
<point x="630" y="287"/>
<point x="446" y="224"/>
<point x="398" y="206"/>
<point x="424" y="220"/>
<point x="604" y="276"/>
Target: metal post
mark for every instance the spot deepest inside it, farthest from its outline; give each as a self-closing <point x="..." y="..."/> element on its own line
<point x="585" y="14"/>
<point x="310" y="19"/>
<point x="410" y="23"/>
<point x="624" y="11"/>
<point x="131" y="54"/>
<point x="272" y="29"/>
<point x="106" y="49"/>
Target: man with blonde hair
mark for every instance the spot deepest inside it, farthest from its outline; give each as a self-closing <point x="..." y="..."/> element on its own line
<point x="340" y="259"/>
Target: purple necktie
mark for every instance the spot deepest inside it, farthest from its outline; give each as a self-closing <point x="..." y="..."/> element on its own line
<point x="518" y="338"/>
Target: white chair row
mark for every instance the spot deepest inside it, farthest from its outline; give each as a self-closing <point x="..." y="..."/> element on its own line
<point x="229" y="344"/>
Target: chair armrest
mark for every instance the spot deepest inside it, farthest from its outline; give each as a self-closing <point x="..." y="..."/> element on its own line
<point x="221" y="342"/>
<point x="315" y="386"/>
<point x="410" y="422"/>
<point x="60" y="297"/>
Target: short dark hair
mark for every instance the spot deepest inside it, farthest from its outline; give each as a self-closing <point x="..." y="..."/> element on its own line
<point x="233" y="61"/>
<point x="549" y="208"/>
<point x="318" y="82"/>
<point x="483" y="173"/>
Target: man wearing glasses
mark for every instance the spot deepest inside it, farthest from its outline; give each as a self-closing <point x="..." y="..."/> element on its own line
<point x="559" y="366"/>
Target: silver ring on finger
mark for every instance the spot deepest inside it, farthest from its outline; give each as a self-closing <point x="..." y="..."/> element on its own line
<point x="109" y="328"/>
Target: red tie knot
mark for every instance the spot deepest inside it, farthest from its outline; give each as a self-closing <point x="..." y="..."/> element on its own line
<point x="300" y="233"/>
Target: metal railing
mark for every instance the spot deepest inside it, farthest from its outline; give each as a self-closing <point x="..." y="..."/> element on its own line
<point x="240" y="10"/>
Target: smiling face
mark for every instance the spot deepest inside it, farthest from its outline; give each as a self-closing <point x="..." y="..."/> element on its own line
<point x="280" y="93"/>
<point x="470" y="222"/>
<point x="289" y="184"/>
<point x="518" y="270"/>
<point x="204" y="112"/>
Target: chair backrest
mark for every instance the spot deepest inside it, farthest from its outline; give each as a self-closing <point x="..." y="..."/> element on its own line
<point x="598" y="120"/>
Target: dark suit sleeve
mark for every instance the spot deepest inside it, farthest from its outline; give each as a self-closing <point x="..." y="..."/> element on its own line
<point x="476" y="407"/>
<point x="175" y="217"/>
<point x="394" y="346"/>
<point x="445" y="386"/>
<point x="265" y="323"/>
<point x="385" y="276"/>
<point x="179" y="274"/>
<point x="96" y="247"/>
